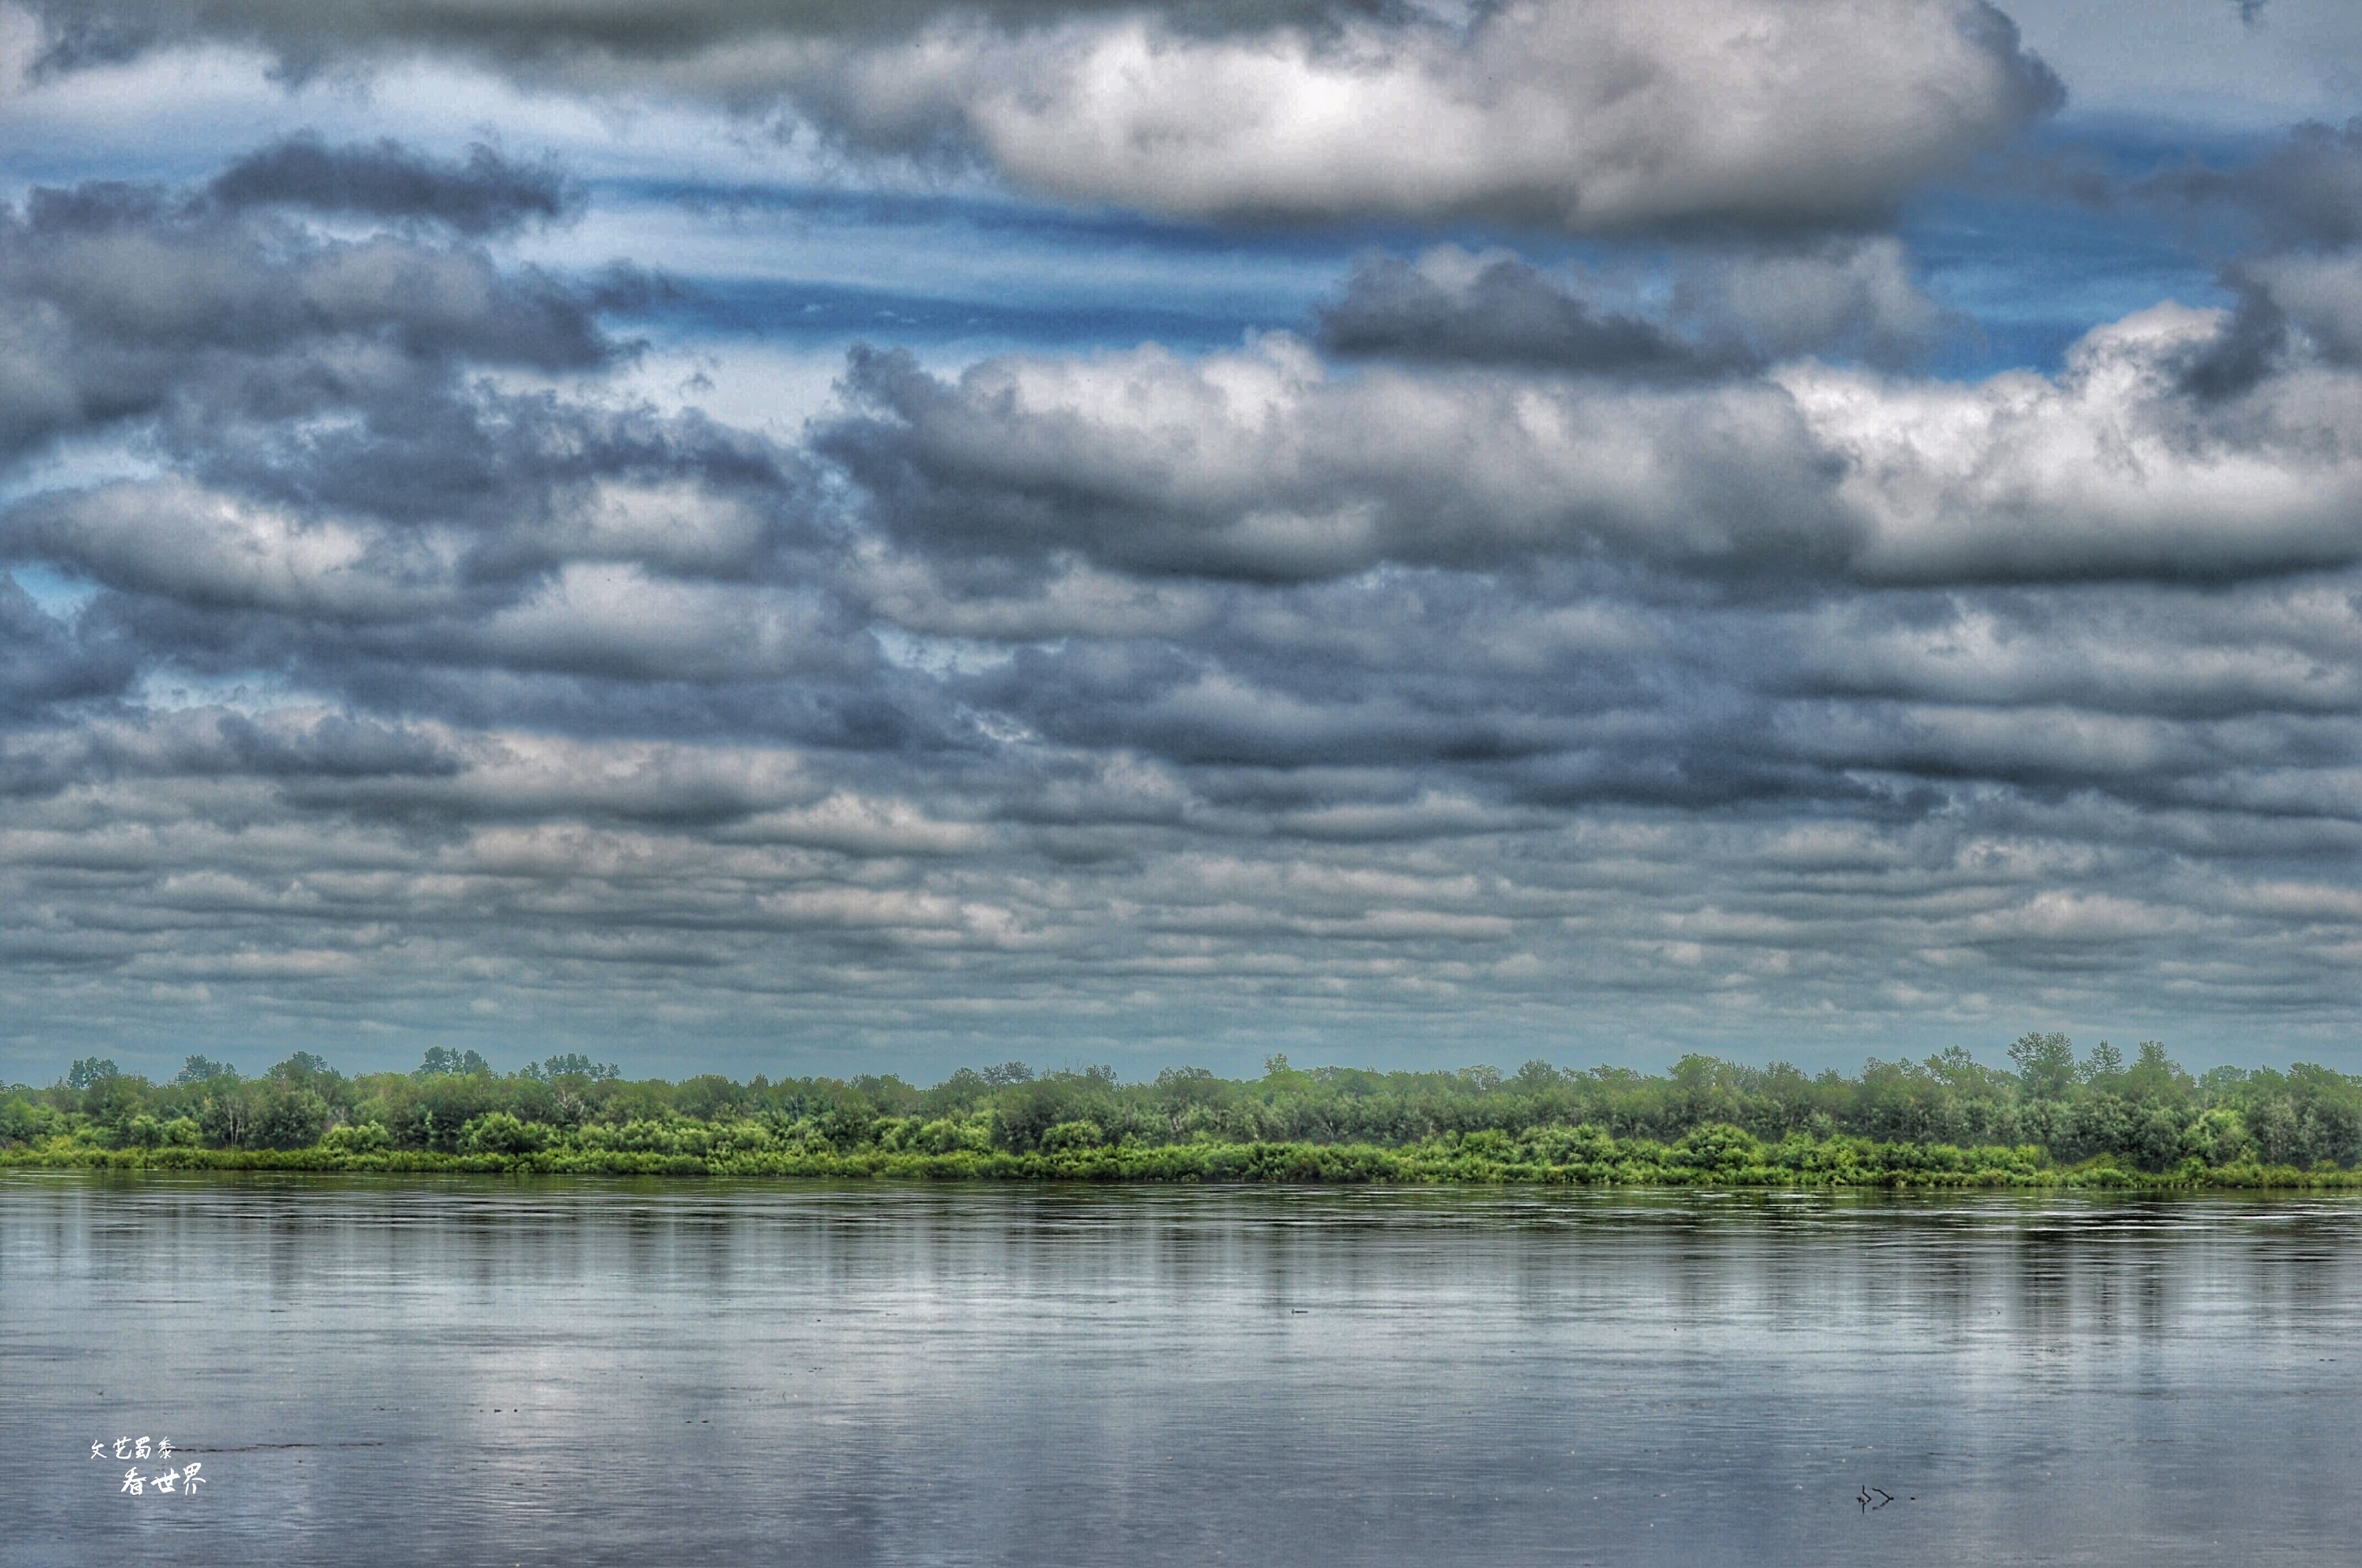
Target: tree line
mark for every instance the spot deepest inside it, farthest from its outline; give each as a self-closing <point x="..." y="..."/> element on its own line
<point x="1946" y="1118"/>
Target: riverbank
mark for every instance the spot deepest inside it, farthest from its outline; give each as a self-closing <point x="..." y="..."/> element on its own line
<point x="1722" y="1156"/>
<point x="1949" y="1121"/>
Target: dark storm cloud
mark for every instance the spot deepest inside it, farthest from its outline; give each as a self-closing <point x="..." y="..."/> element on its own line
<point x="1506" y="313"/>
<point x="219" y="745"/>
<point x="44" y="659"/>
<point x="1733" y="309"/>
<point x="122" y="302"/>
<point x="2300" y="205"/>
<point x="1528" y="692"/>
<point x="2305" y="191"/>
<point x="2253" y="344"/>
<point x="486" y="194"/>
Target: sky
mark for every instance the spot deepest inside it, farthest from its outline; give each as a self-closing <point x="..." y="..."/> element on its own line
<point x="835" y="537"/>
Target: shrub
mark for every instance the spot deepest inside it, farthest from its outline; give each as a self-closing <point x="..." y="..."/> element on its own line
<point x="498" y="1132"/>
<point x="1720" y="1147"/>
<point x="358" y="1138"/>
<point x="954" y="1134"/>
<point x="1073" y="1135"/>
<point x="23" y="1121"/>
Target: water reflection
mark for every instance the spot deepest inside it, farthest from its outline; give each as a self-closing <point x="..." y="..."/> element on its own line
<point x="506" y="1371"/>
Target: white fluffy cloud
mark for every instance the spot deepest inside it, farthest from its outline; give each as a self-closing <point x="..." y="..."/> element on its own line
<point x="2108" y="469"/>
<point x="1588" y="115"/>
<point x="1575" y="113"/>
<point x="1265" y="464"/>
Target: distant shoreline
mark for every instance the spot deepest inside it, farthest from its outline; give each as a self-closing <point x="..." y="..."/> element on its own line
<point x="1793" y="1164"/>
<point x="2102" y="1121"/>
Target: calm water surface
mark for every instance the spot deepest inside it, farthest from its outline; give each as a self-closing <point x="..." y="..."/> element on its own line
<point x="506" y="1372"/>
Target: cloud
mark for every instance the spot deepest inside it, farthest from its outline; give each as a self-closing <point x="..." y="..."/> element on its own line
<point x="2320" y="294"/>
<point x="1455" y="308"/>
<point x="526" y="34"/>
<point x="1529" y="660"/>
<point x="2306" y="190"/>
<point x="45" y="660"/>
<point x="1259" y="465"/>
<point x="173" y="539"/>
<point x="1731" y="310"/>
<point x="2298" y="207"/>
<point x="1576" y="114"/>
<point x="1262" y="465"/>
<point x="123" y="302"/>
<point x="1849" y="296"/>
<point x="486" y="194"/>
<point x="2105" y="470"/>
<point x="326" y="499"/>
<point x="2195" y="653"/>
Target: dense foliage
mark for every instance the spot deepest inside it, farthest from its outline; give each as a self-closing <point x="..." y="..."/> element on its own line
<point x="1947" y="1121"/>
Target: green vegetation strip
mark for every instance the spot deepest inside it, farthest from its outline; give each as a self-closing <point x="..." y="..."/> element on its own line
<point x="1949" y="1121"/>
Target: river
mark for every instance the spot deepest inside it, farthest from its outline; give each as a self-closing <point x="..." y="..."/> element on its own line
<point x="459" y="1372"/>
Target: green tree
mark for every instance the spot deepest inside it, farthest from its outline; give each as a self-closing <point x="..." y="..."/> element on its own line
<point x="2046" y="1064"/>
<point x="2104" y="1064"/>
<point x="1180" y="1094"/>
<point x="571" y="1065"/>
<point x="90" y="1072"/>
<point x="306" y="1070"/>
<point x="289" y="1119"/>
<point x="2153" y="1079"/>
